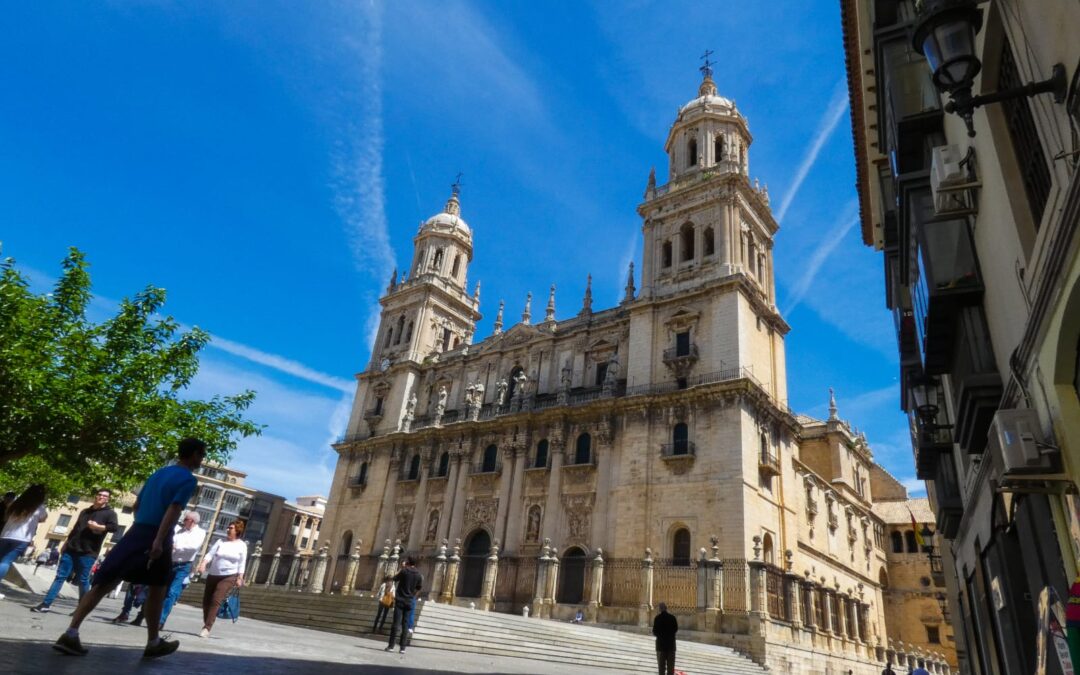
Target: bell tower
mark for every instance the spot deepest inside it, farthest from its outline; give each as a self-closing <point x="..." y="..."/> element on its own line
<point x="425" y="314"/>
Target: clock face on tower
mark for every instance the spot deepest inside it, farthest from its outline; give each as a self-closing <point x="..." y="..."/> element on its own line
<point x="384" y="365"/>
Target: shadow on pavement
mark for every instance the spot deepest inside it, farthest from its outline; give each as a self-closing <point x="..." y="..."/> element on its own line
<point x="38" y="656"/>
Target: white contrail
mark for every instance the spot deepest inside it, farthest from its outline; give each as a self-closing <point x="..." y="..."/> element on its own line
<point x="833" y="114"/>
<point x="282" y="364"/>
<point x="847" y="221"/>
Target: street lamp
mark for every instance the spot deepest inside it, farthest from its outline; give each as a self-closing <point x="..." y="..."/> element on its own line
<point x="925" y="391"/>
<point x="945" y="35"/>
<point x="928" y="542"/>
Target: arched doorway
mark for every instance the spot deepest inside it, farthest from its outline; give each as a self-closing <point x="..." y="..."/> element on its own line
<point x="572" y="577"/>
<point x="471" y="581"/>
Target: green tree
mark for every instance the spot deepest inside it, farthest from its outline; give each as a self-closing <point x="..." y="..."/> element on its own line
<point x="85" y="404"/>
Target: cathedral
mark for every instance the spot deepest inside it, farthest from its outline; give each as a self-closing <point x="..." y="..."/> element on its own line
<point x="627" y="455"/>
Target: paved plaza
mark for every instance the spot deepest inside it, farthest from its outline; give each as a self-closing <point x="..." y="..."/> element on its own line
<point x="244" y="647"/>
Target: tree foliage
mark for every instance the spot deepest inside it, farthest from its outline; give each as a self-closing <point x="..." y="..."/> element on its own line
<point x="86" y="404"/>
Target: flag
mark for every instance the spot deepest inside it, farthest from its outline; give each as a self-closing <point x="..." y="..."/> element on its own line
<point x="915" y="526"/>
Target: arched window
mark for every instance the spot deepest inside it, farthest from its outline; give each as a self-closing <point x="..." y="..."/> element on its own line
<point x="710" y="241"/>
<point x="361" y="476"/>
<point x="665" y="257"/>
<point x="457" y="264"/>
<point x="389" y="336"/>
<point x="680" y="439"/>
<point x="414" y="467"/>
<point x="718" y="148"/>
<point x="680" y="547"/>
<point x="691" y="153"/>
<point x="541" y="454"/>
<point x="436" y="262"/>
<point x="444" y="465"/>
<point x="883" y="578"/>
<point x="296" y="521"/>
<point x="686" y="242"/>
<point x="765" y="459"/>
<point x="909" y="538"/>
<point x="346" y="543"/>
<point x="583" y="449"/>
<point x="408" y="332"/>
<point x="491" y="458"/>
<point x="400" y="329"/>
<point x="897" y="542"/>
<point x="767" y="553"/>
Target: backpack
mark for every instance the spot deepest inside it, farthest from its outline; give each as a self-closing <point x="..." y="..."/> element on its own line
<point x="387" y="599"/>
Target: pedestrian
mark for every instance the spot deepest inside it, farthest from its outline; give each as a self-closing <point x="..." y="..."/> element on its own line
<point x="143" y="555"/>
<point x="921" y="670"/>
<point x="82" y="547"/>
<point x="135" y="597"/>
<point x="54" y="557"/>
<point x="23" y="516"/>
<point x="579" y="617"/>
<point x="409" y="582"/>
<point x="888" y="669"/>
<point x="42" y="559"/>
<point x="385" y="594"/>
<point x="187" y="540"/>
<point x="664" y="628"/>
<point x="225" y="563"/>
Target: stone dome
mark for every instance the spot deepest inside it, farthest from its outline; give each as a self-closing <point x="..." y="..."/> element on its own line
<point x="449" y="220"/>
<point x="708" y="98"/>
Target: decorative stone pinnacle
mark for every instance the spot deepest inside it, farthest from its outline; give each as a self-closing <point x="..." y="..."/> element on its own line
<point x="526" y="316"/>
<point x="549" y="314"/>
<point x="586" y="303"/>
<point x="476" y="294"/>
<point x="499" y="318"/>
<point x="757" y="546"/>
<point x="393" y="280"/>
<point x="650" y="187"/>
<point x="789" y="559"/>
<point x="630" y="289"/>
<point x="832" y="406"/>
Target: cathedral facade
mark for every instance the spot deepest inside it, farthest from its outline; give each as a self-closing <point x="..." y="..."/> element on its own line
<point x="650" y="436"/>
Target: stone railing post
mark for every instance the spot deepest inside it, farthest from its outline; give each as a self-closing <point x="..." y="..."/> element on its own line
<point x="294" y="567"/>
<point x="541" y="581"/>
<point x="792" y="590"/>
<point x="491" y="571"/>
<point x="438" y="575"/>
<point x="351" y="570"/>
<point x="317" y="580"/>
<point x="646" y="606"/>
<point x="596" y="572"/>
<point x="453" y="565"/>
<point x="393" y="564"/>
<point x="841" y="614"/>
<point x="757" y="580"/>
<point x="552" y="583"/>
<point x="715" y="589"/>
<point x="253" y="565"/>
<point x="380" y="568"/>
<point x="702" y="580"/>
<point x="275" y="562"/>
<point x="811" y="615"/>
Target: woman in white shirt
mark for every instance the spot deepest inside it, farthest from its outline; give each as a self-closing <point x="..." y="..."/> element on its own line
<point x="23" y="516"/>
<point x="225" y="562"/>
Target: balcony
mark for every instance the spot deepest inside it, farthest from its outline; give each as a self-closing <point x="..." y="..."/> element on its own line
<point x="681" y="359"/>
<point x="678" y="449"/>
<point x="769" y="463"/>
<point x="949" y="505"/>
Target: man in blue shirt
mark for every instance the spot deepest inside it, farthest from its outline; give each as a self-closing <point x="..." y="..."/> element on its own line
<point x="144" y="555"/>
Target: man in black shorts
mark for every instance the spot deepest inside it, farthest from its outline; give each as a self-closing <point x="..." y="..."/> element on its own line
<point x="144" y="555"/>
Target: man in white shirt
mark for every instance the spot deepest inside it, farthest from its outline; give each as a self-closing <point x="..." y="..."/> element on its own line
<point x="187" y="540"/>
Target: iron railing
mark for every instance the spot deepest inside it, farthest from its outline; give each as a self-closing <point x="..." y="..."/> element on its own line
<point x="678" y="449"/>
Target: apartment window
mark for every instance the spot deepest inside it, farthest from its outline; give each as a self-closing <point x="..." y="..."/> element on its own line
<point x="682" y="343"/>
<point x="1030" y="157"/>
<point x="232" y="502"/>
<point x="909" y="539"/>
<point x="933" y="635"/>
<point x="208" y="496"/>
<point x="222" y="522"/>
<point x="63" y="521"/>
<point x="303" y="542"/>
<point x="897" y="542"/>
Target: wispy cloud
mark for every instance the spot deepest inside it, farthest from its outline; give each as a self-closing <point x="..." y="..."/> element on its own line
<point x="827" y="244"/>
<point x="833" y="114"/>
<point x="282" y="364"/>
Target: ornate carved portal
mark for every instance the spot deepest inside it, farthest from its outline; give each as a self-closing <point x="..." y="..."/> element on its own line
<point x="578" y="517"/>
<point x="403" y="515"/>
<point x="481" y="513"/>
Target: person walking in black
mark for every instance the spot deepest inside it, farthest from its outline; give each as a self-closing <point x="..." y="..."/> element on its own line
<point x="888" y="669"/>
<point x="409" y="582"/>
<point x="664" y="628"/>
<point x="82" y="547"/>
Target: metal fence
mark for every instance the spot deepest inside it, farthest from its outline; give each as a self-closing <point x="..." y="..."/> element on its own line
<point x="776" y="602"/>
<point x="622" y="583"/>
<point x="675" y="584"/>
<point x="735" y="585"/>
<point x="515" y="580"/>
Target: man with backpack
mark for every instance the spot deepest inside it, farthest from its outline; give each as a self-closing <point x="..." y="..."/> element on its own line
<point x="409" y="582"/>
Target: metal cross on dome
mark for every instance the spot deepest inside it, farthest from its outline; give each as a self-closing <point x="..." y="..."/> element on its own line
<point x="456" y="187"/>
<point x="706" y="68"/>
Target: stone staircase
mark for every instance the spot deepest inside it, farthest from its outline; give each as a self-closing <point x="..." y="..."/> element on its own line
<point x="469" y="630"/>
<point x="459" y="629"/>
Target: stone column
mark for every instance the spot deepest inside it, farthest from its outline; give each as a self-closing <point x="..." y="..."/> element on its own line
<point x="757" y="587"/>
<point x="457" y="515"/>
<point x="393" y="563"/>
<point x="841" y="615"/>
<point x="716" y="565"/>
<point x="702" y="580"/>
<point x="827" y="608"/>
<point x="792" y="590"/>
<point x="597" y="580"/>
<point x="317" y="577"/>
<point x="380" y="569"/>
<point x="646" y="606"/>
<point x="294" y="567"/>
<point x="556" y="446"/>
<point x="253" y="566"/>
<point x="811" y="600"/>
<point x="506" y="480"/>
<point x="541" y="582"/>
<point x="438" y="575"/>
<point x="602" y="447"/>
<point x="452" y="567"/>
<point x="552" y="583"/>
<point x="450" y="498"/>
<point x="274" y="563"/>
<point x="419" y="521"/>
<point x="491" y="572"/>
<point x="351" y="570"/>
<point x="387" y="524"/>
<point x="512" y="526"/>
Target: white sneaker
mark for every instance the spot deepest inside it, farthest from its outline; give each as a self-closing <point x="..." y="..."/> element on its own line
<point x="204" y="633"/>
<point x="2" y="596"/>
<point x="410" y="631"/>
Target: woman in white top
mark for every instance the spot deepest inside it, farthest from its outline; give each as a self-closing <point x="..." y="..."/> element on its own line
<point x="23" y="516"/>
<point x="225" y="561"/>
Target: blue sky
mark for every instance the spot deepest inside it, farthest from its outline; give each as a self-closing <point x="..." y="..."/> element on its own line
<point x="268" y="163"/>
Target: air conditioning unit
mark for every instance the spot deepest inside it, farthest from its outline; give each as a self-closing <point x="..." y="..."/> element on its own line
<point x="1015" y="435"/>
<point x="946" y="172"/>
